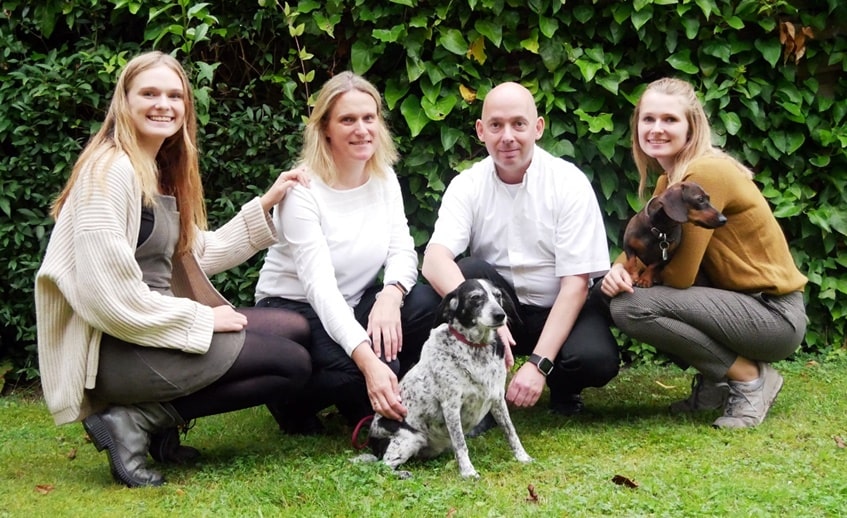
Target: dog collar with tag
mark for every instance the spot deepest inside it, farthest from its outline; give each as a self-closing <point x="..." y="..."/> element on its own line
<point x="464" y="339"/>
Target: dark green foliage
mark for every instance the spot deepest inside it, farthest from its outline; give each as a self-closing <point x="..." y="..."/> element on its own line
<point x="256" y="65"/>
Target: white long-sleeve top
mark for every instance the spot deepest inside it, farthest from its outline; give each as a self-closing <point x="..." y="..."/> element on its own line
<point x="90" y="283"/>
<point x="333" y="244"/>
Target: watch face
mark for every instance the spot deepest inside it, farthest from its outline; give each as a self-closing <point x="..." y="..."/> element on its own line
<point x="544" y="365"/>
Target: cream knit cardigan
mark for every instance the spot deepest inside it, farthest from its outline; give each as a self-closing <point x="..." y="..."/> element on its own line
<point x="89" y="283"/>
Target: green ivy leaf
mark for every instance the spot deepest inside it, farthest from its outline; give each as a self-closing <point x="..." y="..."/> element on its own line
<point x="430" y="89"/>
<point x="414" y="114"/>
<point x="440" y="109"/>
<point x="682" y="61"/>
<point x="608" y="145"/>
<point x="588" y="68"/>
<point x="718" y="49"/>
<point x="770" y="49"/>
<point x="707" y="6"/>
<point x="551" y="54"/>
<point x="691" y="25"/>
<point x="548" y="26"/>
<point x="449" y="137"/>
<point x="363" y="56"/>
<point x="454" y="41"/>
<point x="390" y="35"/>
<point x="415" y="67"/>
<point x="562" y="148"/>
<point x="787" y="143"/>
<point x="491" y="30"/>
<point x="820" y="160"/>
<point x="640" y="18"/>
<point x="531" y="43"/>
<point x="731" y="121"/>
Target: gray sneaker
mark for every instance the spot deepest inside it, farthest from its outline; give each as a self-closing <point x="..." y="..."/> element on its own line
<point x="705" y="395"/>
<point x="748" y="407"/>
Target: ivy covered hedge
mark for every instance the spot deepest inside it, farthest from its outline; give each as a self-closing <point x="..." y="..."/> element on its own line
<point x="772" y="75"/>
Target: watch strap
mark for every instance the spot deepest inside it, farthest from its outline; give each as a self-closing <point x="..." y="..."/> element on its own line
<point x="544" y="365"/>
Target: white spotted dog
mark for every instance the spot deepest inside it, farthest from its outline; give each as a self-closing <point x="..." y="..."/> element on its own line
<point x="460" y="377"/>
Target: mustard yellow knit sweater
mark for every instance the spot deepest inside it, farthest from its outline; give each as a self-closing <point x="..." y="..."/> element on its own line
<point x="748" y="254"/>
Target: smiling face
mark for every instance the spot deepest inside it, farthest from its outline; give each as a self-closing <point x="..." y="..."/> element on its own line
<point x="663" y="128"/>
<point x="509" y="127"/>
<point x="351" y="129"/>
<point x="156" y="101"/>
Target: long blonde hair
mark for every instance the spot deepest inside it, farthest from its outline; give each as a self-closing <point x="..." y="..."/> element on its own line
<point x="175" y="170"/>
<point x="699" y="141"/>
<point x="316" y="153"/>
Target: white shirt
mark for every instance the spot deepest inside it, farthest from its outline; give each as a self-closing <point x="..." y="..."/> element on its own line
<point x="332" y="246"/>
<point x="550" y="226"/>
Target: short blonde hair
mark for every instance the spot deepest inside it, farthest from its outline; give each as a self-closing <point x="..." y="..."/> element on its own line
<point x="316" y="153"/>
<point x="699" y="141"/>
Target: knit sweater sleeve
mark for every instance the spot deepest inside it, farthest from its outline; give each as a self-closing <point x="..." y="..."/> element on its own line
<point x="106" y="289"/>
<point x="749" y="253"/>
<point x="248" y="232"/>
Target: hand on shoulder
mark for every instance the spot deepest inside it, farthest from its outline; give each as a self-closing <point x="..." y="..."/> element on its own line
<point x="283" y="183"/>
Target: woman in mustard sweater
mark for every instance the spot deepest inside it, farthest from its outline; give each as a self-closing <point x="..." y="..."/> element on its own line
<point x="121" y="346"/>
<point x="731" y="302"/>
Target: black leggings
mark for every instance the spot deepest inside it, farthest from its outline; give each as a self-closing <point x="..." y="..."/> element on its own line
<point x="336" y="380"/>
<point x="272" y="366"/>
<point x="588" y="358"/>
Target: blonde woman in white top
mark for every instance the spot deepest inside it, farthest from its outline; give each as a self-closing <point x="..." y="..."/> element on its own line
<point x="338" y="237"/>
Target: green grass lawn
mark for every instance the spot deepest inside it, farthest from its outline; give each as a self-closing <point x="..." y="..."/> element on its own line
<point x="792" y="465"/>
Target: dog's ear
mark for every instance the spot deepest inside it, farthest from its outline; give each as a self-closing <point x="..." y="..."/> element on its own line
<point x="508" y="305"/>
<point x="447" y="308"/>
<point x="673" y="203"/>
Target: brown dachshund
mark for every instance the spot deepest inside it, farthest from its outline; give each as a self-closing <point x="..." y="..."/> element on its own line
<point x="654" y="233"/>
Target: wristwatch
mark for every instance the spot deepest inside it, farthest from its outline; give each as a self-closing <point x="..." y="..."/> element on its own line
<point x="544" y="365"/>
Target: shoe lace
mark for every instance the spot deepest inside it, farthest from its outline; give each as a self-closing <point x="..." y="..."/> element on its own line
<point x="696" y="387"/>
<point x="734" y="401"/>
<point x="186" y="427"/>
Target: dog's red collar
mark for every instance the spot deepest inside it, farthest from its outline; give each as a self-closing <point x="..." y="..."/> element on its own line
<point x="464" y="339"/>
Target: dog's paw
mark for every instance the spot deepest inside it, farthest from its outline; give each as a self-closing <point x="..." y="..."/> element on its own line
<point x="523" y="457"/>
<point x="470" y="474"/>
<point x="365" y="457"/>
<point x="403" y="474"/>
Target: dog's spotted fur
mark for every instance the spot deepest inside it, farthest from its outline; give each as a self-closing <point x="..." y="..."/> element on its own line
<point x="455" y="384"/>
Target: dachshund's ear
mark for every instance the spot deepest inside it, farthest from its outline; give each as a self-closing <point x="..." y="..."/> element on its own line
<point x="447" y="309"/>
<point x="673" y="203"/>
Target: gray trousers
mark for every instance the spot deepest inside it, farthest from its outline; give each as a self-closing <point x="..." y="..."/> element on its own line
<point x="709" y="328"/>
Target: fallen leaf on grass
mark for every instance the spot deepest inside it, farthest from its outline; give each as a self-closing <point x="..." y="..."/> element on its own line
<point x="839" y="441"/>
<point x="451" y="513"/>
<point x="668" y="387"/>
<point x="811" y="363"/>
<point x="624" y="481"/>
<point x="44" y="489"/>
<point x="72" y="454"/>
<point x="533" y="496"/>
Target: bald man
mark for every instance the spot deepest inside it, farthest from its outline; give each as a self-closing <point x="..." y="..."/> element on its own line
<point x="530" y="222"/>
